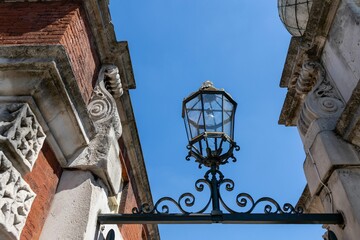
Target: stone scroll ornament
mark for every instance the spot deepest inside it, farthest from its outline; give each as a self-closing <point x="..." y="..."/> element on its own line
<point x="16" y="199"/>
<point x="21" y="136"/>
<point x="307" y="77"/>
<point x="102" y="106"/>
<point x="101" y="155"/>
<point x="323" y="101"/>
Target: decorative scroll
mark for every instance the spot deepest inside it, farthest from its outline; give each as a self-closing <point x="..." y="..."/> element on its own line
<point x="186" y="200"/>
<point x="21" y="132"/>
<point x="308" y="76"/>
<point x="217" y="157"/>
<point x="102" y="106"/>
<point x="102" y="154"/>
<point x="214" y="179"/>
<point x="16" y="198"/>
<point x="324" y="101"/>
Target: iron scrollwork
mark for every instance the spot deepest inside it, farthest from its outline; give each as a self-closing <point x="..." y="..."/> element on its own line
<point x="214" y="179"/>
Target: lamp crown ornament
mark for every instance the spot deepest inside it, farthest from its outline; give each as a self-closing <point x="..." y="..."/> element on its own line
<point x="207" y="84"/>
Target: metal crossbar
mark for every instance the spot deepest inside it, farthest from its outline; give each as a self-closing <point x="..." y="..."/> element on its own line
<point x="231" y="218"/>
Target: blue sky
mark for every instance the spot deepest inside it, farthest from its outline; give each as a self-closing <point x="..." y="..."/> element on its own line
<point x="240" y="46"/>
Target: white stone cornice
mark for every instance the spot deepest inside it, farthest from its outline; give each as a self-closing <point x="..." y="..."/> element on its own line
<point x="44" y="73"/>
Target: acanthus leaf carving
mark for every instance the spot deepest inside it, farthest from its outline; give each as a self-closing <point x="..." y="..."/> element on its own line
<point x="16" y="198"/>
<point x="21" y="134"/>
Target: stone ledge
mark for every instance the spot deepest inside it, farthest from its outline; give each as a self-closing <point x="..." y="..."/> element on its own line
<point x="45" y="74"/>
<point x="301" y="49"/>
<point x="328" y="152"/>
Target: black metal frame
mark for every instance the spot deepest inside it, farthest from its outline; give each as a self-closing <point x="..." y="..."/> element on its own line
<point x="240" y="218"/>
<point x="248" y="213"/>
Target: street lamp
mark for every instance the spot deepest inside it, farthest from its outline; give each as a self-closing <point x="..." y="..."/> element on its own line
<point x="209" y="121"/>
<point x="209" y="117"/>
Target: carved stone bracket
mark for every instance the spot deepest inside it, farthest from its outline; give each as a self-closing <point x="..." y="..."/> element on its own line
<point x="322" y="102"/>
<point x="21" y="136"/>
<point x="16" y="198"/>
<point x="102" y="155"/>
<point x="307" y="77"/>
<point x="102" y="106"/>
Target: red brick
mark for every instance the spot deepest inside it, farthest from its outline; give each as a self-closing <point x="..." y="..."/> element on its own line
<point x="60" y="22"/>
<point x="130" y="231"/>
<point x="43" y="180"/>
<point x="129" y="200"/>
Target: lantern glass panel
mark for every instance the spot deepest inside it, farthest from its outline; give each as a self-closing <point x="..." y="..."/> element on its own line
<point x="228" y="116"/>
<point x="213" y="113"/>
<point x="194" y="117"/>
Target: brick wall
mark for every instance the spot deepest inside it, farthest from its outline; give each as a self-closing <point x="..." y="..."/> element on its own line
<point x="49" y="23"/>
<point x="65" y="23"/>
<point x="128" y="199"/>
<point x="78" y="42"/>
<point x="130" y="231"/>
<point x="43" y="180"/>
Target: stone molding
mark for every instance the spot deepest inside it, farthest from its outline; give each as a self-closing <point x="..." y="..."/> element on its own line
<point x="16" y="198"/>
<point x="44" y="75"/>
<point x="21" y="134"/>
<point x="302" y="49"/>
<point x="102" y="155"/>
<point x="110" y="50"/>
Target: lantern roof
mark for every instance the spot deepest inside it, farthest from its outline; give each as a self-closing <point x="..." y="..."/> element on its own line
<point x="207" y="87"/>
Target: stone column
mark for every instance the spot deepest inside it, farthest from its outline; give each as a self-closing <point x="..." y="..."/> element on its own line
<point x="332" y="165"/>
<point x="95" y="174"/>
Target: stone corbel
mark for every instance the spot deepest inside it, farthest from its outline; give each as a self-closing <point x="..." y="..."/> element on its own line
<point x="321" y="109"/>
<point x="307" y="77"/>
<point x="102" y="155"/>
<point x="16" y="198"/>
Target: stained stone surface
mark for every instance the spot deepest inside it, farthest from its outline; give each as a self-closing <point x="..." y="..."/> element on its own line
<point x="16" y="198"/>
<point x="102" y="154"/>
<point x="21" y="134"/>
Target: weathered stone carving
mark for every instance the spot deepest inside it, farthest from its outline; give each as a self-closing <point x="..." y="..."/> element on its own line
<point x="112" y="81"/>
<point x="102" y="155"/>
<point x="307" y="77"/>
<point x="324" y="101"/>
<point x="102" y="106"/>
<point x="21" y="136"/>
<point x="16" y="198"/>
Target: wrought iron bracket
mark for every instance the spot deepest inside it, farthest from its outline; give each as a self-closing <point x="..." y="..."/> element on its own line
<point x="249" y="211"/>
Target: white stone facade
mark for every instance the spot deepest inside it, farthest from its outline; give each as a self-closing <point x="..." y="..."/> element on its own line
<point x="322" y="76"/>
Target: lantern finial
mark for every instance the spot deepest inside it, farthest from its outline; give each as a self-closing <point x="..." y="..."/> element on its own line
<point x="207" y="84"/>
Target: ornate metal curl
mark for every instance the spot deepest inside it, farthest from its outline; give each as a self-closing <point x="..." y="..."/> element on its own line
<point x="214" y="179"/>
<point x="185" y="200"/>
<point x="243" y="199"/>
<point x="217" y="156"/>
